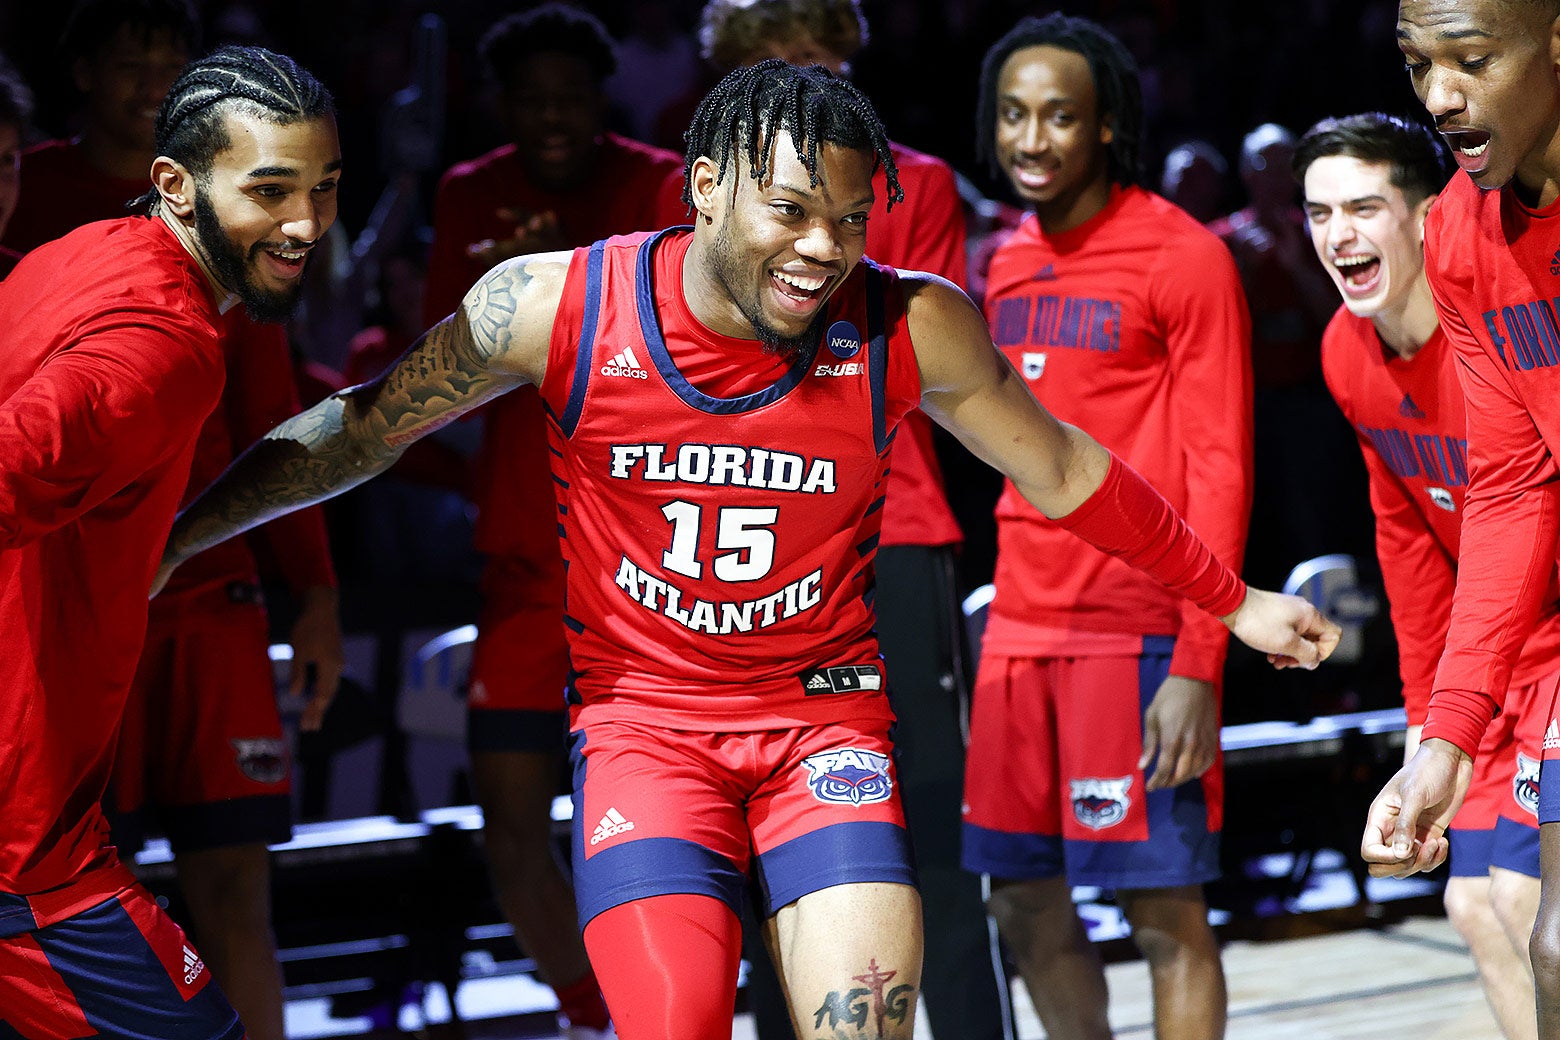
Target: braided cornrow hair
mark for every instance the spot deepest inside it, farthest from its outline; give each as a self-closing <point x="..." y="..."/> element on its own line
<point x="190" y="127"/>
<point x="749" y="108"/>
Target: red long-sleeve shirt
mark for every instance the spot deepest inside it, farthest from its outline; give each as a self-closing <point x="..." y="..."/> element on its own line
<point x="1411" y="423"/>
<point x="260" y="392"/>
<point x="1493" y="270"/>
<point x="110" y="360"/>
<point x="623" y="193"/>
<point x="1132" y="326"/>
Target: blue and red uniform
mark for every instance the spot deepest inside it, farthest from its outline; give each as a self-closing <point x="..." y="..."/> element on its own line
<point x="110" y="360"/>
<point x="720" y="583"/>
<point x="1132" y="325"/>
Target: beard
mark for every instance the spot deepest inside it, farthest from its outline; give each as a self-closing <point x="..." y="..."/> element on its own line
<point x="728" y="270"/>
<point x="233" y="269"/>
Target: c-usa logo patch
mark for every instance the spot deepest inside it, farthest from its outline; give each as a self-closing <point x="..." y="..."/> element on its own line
<point x="1100" y="802"/>
<point x="849" y="776"/>
<point x="1524" y="786"/>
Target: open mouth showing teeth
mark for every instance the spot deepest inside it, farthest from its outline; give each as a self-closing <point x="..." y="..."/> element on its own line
<point x="1471" y="143"/>
<point x="798" y="286"/>
<point x="1358" y="269"/>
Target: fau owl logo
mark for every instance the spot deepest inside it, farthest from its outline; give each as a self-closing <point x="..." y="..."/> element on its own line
<point x="1524" y="786"/>
<point x="1099" y="802"/>
<point x="849" y="776"/>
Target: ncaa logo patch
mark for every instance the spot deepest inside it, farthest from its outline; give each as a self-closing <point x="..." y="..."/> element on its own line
<point x="843" y="339"/>
<point x="849" y="776"/>
<point x="1100" y="802"/>
<point x="262" y="759"/>
<point x="1034" y="365"/>
<point x="1524" y="786"/>
<point x="1442" y="498"/>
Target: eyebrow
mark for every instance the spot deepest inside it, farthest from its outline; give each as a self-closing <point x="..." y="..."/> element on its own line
<point x="261" y="172"/>
<point x="1453" y="34"/>
<point x="865" y="200"/>
<point x="1350" y="202"/>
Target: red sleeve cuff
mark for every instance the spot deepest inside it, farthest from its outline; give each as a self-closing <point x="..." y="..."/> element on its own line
<point x="1460" y="717"/>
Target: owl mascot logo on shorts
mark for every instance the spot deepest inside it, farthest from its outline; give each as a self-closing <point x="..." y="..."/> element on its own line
<point x="1524" y="786"/>
<point x="849" y="776"/>
<point x="1099" y="802"/>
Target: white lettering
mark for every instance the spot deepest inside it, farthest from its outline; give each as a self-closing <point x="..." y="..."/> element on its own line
<point x="623" y="457"/>
<point x="719" y="618"/>
<point x="820" y="478"/>
<point x="693" y="464"/>
<point x="727" y="466"/>
<point x="785" y="471"/>
<point x="655" y="468"/>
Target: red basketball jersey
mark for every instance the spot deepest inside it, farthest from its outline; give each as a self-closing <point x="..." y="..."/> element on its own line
<point x="720" y="548"/>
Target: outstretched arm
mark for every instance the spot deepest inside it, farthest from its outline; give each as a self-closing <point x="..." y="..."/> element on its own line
<point x="968" y="387"/>
<point x="495" y="341"/>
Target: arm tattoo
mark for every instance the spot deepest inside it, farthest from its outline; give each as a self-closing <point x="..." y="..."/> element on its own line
<point x="351" y="436"/>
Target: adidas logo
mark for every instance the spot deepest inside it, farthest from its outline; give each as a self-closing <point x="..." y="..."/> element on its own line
<point x="819" y="681"/>
<point x="1045" y="274"/>
<point x="625" y="364"/>
<point x="1552" y="736"/>
<point x="1409" y="410"/>
<point x="611" y="826"/>
<point x="193" y="966"/>
<point x="1554" y="263"/>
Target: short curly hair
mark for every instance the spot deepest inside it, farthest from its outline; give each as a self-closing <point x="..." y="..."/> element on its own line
<point x="548" y="29"/>
<point x="734" y="32"/>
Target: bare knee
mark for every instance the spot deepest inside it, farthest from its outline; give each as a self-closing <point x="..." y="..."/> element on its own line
<point x="1470" y="909"/>
<point x="1544" y="947"/>
<point x="1169" y="924"/>
<point x="1514" y="900"/>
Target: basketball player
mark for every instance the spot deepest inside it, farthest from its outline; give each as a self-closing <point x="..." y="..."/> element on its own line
<point x="720" y="405"/>
<point x="112" y="358"/>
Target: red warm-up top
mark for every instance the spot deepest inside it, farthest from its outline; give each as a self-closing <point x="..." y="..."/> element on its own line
<point x="1132" y="326"/>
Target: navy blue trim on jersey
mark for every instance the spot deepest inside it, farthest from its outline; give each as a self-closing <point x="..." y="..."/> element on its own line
<point x="583" y="354"/>
<point x="122" y="988"/>
<point x="650" y="328"/>
<point x="877" y="355"/>
<point x="839" y="854"/>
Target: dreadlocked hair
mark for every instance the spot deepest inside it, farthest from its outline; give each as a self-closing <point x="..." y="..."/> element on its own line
<point x="190" y="128"/>
<point x="1118" y="94"/>
<point x="750" y="107"/>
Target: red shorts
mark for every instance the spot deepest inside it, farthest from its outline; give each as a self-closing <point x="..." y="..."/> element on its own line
<point x="120" y="969"/>
<point x="520" y="664"/>
<point x="202" y="746"/>
<point x="1052" y="786"/>
<point x="662" y="812"/>
<point x="1497" y="824"/>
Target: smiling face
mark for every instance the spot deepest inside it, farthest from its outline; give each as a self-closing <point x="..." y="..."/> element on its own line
<point x="1486" y="71"/>
<point x="775" y="249"/>
<point x="1051" y="137"/>
<point x="125" y="81"/>
<point x="1370" y="240"/>
<point x="555" y="111"/>
<point x="263" y="205"/>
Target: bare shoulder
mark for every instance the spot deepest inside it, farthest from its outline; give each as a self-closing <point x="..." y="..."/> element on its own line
<point x="510" y="311"/>
<point x="946" y="328"/>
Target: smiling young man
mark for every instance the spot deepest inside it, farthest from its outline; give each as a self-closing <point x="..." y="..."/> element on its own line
<point x="1487" y="73"/>
<point x="112" y="358"/>
<point x="1369" y="182"/>
<point x="721" y="401"/>
<point x="1094" y="743"/>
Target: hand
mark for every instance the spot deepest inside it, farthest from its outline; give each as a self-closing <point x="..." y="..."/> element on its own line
<point x="1181" y="726"/>
<point x="316" y="641"/>
<point x="1292" y="632"/>
<point x="1405" y="831"/>
<point x="534" y="233"/>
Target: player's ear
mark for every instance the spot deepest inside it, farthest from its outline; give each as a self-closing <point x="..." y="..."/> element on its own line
<point x="176" y="185"/>
<point x="703" y="185"/>
<point x="1422" y="211"/>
